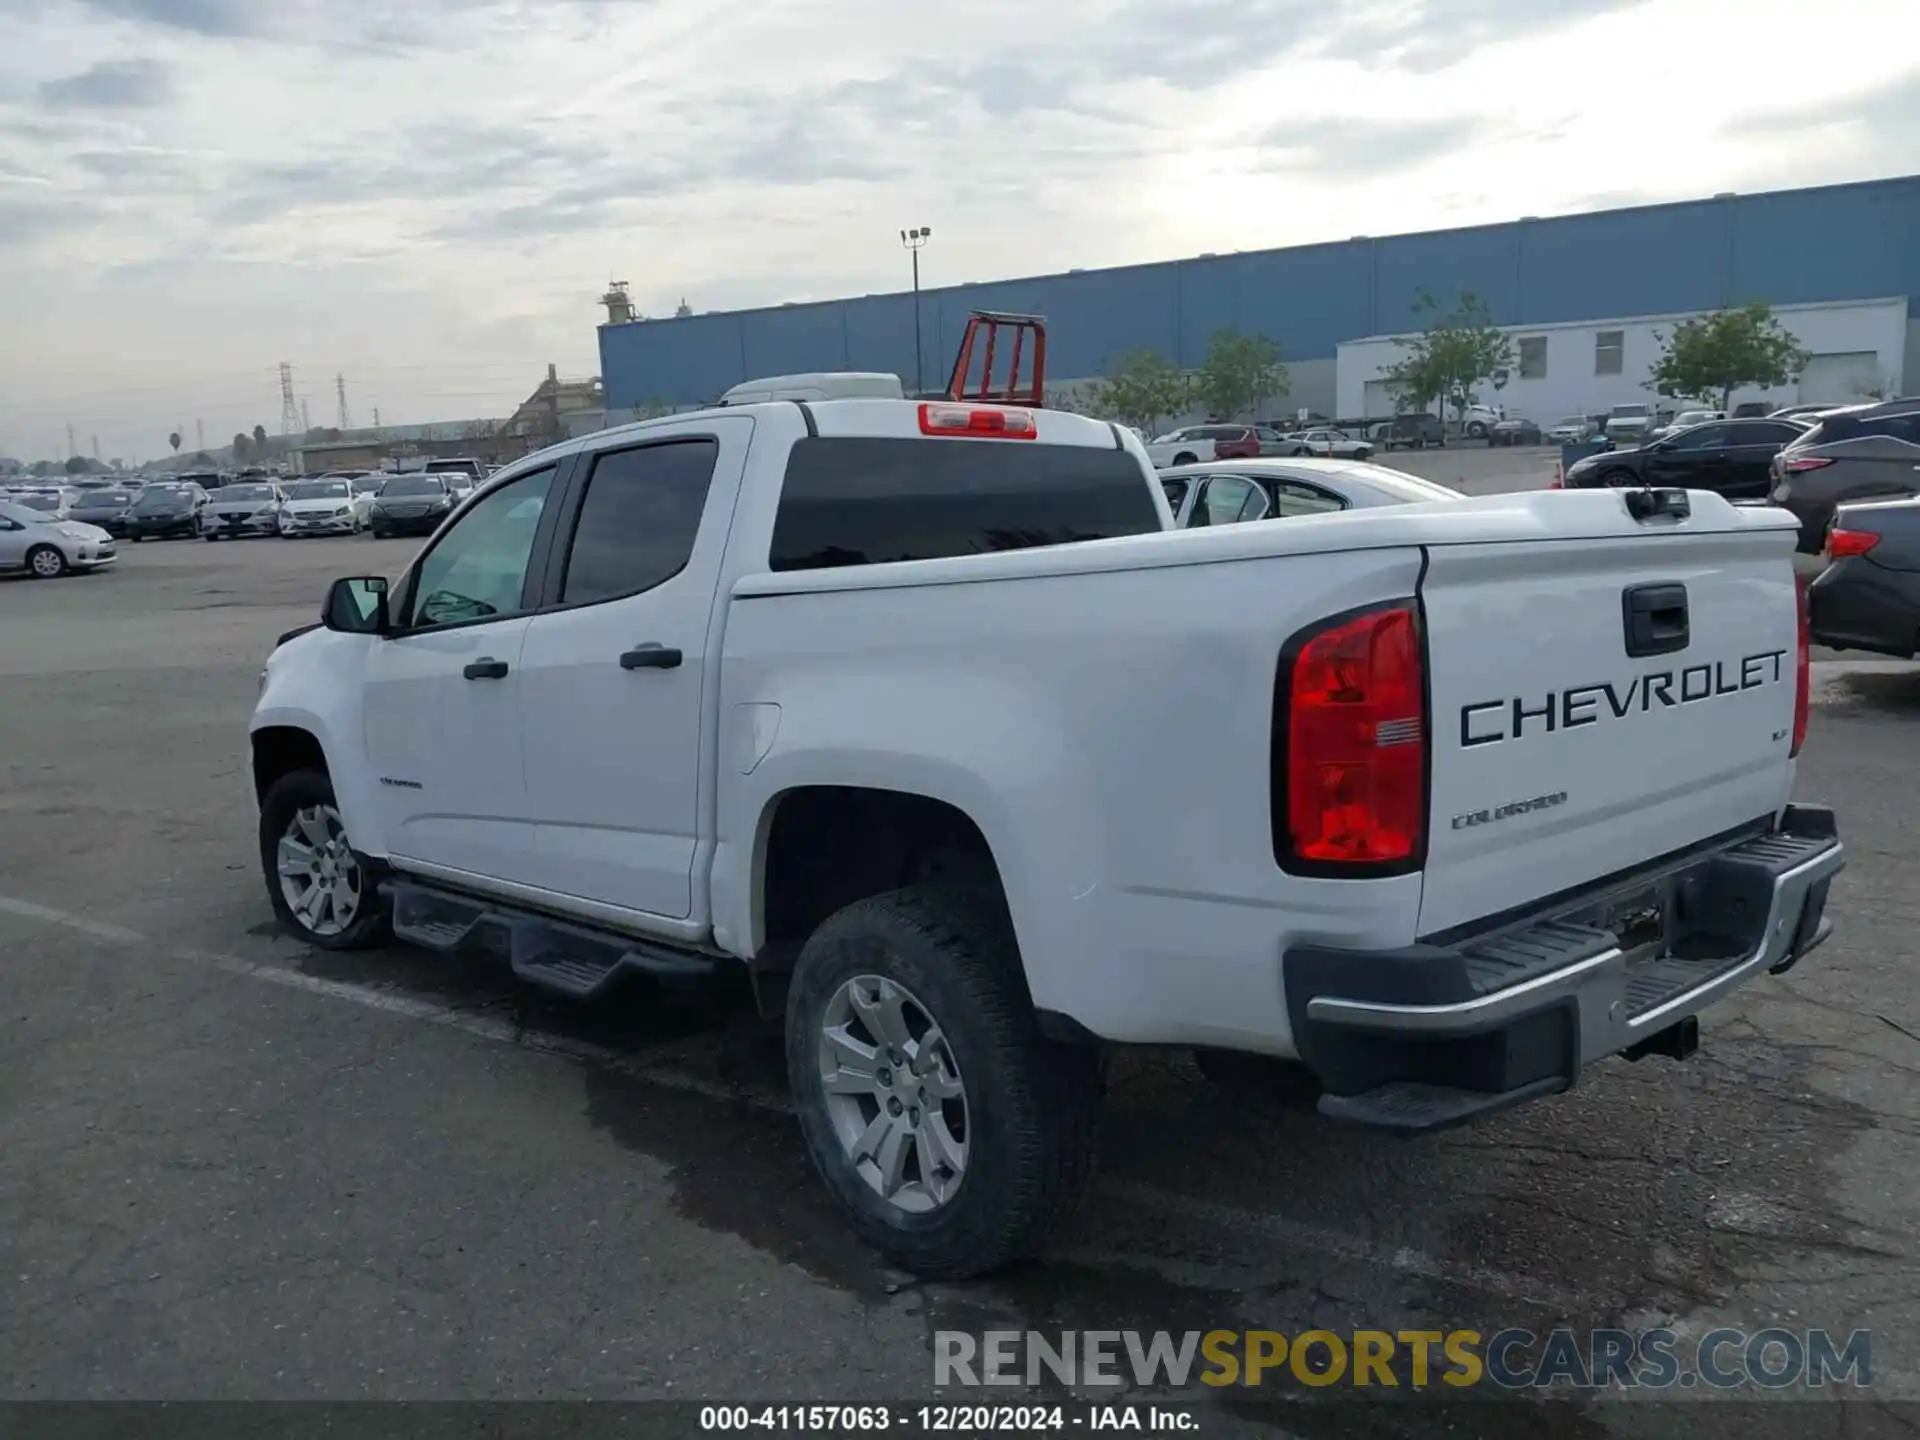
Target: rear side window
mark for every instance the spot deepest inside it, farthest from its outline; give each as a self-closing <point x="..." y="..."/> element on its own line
<point x="1853" y="427"/>
<point x="638" y="519"/>
<point x="1764" y="432"/>
<point x="871" y="501"/>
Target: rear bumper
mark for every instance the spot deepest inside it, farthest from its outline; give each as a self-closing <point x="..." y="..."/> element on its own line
<point x="1436" y="1035"/>
<point x="1855" y="604"/>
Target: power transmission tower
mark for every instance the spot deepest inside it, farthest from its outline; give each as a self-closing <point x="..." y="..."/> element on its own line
<point x="199" y="434"/>
<point x="305" y="423"/>
<point x="289" y="412"/>
<point x="96" y="449"/>
<point x="345" y="421"/>
<point x="376" y="417"/>
<point x="72" y="447"/>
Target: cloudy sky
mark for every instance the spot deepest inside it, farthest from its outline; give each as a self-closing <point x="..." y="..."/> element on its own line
<point x="427" y="196"/>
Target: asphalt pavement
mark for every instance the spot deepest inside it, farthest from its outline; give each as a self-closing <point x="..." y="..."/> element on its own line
<point x="235" y="1168"/>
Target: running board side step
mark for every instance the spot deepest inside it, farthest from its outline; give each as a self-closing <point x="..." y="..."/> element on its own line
<point x="567" y="959"/>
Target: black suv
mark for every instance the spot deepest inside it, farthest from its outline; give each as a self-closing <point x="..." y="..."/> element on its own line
<point x="1414" y="432"/>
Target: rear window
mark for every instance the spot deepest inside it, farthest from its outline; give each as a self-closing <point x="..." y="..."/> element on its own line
<point x="871" y="501"/>
<point x="413" y="485"/>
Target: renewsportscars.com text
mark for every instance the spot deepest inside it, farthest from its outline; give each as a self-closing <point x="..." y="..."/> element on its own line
<point x="1511" y="1359"/>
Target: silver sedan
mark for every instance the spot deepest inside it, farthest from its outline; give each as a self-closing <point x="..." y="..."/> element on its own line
<point x="1228" y="492"/>
<point x="47" y="547"/>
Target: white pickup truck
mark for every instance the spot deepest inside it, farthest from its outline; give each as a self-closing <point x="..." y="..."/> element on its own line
<point x="915" y="712"/>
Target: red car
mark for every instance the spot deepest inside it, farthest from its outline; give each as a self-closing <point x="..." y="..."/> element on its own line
<point x="1243" y="444"/>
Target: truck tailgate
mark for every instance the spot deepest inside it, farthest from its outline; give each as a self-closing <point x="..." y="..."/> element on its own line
<point x="1602" y="699"/>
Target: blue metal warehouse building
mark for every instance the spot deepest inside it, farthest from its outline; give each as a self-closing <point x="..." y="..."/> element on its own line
<point x="1841" y="242"/>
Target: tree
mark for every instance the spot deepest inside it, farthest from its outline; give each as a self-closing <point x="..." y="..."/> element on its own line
<point x="1239" y="372"/>
<point x="200" y="457"/>
<point x="1713" y="355"/>
<point x="174" y="441"/>
<point x="78" y="465"/>
<point x="259" y="439"/>
<point x="1143" y="388"/>
<point x="1455" y="352"/>
<point x="45" y="467"/>
<point x="241" y="445"/>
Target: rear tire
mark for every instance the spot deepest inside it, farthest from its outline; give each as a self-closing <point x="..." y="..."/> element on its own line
<point x="1620" y="479"/>
<point x="1028" y="1106"/>
<point x="300" y="808"/>
<point x="1185" y="459"/>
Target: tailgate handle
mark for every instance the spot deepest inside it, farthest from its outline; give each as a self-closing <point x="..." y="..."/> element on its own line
<point x="1655" y="618"/>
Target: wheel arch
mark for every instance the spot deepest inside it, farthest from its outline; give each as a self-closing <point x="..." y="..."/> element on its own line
<point x="818" y="847"/>
<point x="279" y="750"/>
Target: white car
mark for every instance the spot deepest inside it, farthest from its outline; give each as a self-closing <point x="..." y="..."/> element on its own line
<point x="324" y="506"/>
<point x="1684" y="420"/>
<point x="1191" y="444"/>
<point x="51" y="503"/>
<point x="47" y="546"/>
<point x="1334" y="444"/>
<point x="888" y="707"/>
<point x="1570" y="431"/>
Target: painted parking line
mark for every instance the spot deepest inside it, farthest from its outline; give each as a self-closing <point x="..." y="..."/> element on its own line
<point x="655" y="1066"/>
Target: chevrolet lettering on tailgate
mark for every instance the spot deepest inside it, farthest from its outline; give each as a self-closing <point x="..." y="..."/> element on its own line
<point x="1490" y="722"/>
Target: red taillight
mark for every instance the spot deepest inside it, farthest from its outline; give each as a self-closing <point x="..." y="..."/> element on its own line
<point x="1842" y="543"/>
<point x="978" y="422"/>
<point x="1805" y="462"/>
<point x="1802" y="669"/>
<point x="1352" y="767"/>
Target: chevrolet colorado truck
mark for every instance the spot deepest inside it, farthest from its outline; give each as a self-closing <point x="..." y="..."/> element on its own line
<point x="922" y="715"/>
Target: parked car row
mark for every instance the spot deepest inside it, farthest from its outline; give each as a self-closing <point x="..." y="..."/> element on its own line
<point x="1809" y="460"/>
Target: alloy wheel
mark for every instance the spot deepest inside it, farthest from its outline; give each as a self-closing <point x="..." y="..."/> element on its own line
<point x="320" y="878"/>
<point x="894" y="1094"/>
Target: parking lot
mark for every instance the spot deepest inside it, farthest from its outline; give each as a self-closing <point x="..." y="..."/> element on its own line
<point x="237" y="1168"/>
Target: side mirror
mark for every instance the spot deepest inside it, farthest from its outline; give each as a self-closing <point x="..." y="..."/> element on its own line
<point x="357" y="606"/>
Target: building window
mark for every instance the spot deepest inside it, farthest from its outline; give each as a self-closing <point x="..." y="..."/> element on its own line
<point x="1533" y="358"/>
<point x="1610" y="352"/>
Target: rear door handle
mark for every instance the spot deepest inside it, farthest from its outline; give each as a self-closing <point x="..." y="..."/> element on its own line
<point x="486" y="668"/>
<point x="651" y="656"/>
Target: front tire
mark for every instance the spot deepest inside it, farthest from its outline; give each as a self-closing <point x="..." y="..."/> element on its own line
<point x="47" y="562"/>
<point x="954" y="1135"/>
<point x="1620" y="479"/>
<point x="1476" y="431"/>
<point x="319" y="888"/>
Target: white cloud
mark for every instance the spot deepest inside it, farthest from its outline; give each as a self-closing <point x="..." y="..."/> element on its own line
<point x="429" y="198"/>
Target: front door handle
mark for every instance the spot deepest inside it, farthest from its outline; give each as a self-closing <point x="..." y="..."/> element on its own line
<point x="651" y="656"/>
<point x="486" y="668"/>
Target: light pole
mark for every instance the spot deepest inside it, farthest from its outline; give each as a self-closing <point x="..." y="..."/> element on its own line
<point x="915" y="240"/>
